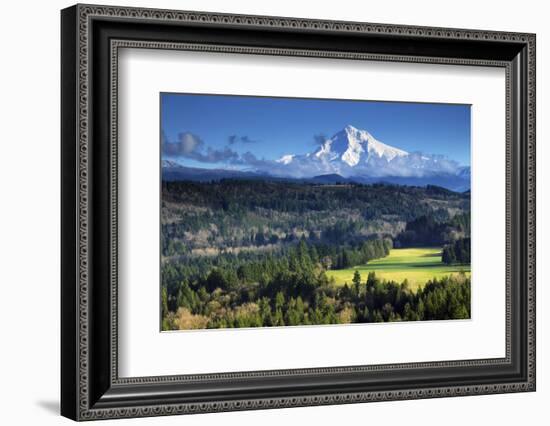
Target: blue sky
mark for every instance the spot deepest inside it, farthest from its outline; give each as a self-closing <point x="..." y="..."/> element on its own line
<point x="215" y="128"/>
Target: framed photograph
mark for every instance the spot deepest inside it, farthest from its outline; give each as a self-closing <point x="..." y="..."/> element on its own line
<point x="263" y="212"/>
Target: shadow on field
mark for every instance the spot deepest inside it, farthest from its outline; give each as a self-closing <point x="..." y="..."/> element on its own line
<point x="431" y="255"/>
<point x="401" y="265"/>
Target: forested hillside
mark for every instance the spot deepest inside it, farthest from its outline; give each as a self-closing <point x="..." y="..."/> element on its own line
<point x="245" y="253"/>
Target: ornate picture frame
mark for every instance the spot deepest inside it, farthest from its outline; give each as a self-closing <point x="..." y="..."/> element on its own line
<point x="91" y="37"/>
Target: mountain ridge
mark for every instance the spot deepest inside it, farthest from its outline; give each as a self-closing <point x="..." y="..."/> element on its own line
<point x="195" y="174"/>
<point x="350" y="155"/>
<point x="353" y="152"/>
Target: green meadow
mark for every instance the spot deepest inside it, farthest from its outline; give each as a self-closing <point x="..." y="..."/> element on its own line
<point x="417" y="265"/>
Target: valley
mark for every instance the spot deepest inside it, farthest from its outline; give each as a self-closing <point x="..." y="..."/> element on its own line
<point x="252" y="252"/>
<point x="416" y="265"/>
<point x="279" y="211"/>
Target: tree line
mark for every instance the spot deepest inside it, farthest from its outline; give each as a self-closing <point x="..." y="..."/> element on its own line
<point x="371" y="300"/>
<point x="257" y="214"/>
<point x="458" y="252"/>
<point x="295" y="290"/>
<point x="434" y="229"/>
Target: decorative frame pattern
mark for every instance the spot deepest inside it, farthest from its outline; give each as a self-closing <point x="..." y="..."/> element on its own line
<point x="89" y="401"/>
<point x="118" y="44"/>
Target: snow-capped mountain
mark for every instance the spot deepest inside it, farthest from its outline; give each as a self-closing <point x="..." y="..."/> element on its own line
<point x="352" y="152"/>
<point x="352" y="145"/>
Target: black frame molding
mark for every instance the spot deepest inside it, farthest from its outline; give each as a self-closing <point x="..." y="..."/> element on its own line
<point x="91" y="37"/>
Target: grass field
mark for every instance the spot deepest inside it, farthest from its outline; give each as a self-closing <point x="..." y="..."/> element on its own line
<point x="418" y="265"/>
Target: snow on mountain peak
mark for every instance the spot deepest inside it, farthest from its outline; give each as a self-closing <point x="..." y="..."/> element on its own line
<point x="351" y="129"/>
<point x="385" y="151"/>
<point x="355" y="152"/>
<point x="349" y="144"/>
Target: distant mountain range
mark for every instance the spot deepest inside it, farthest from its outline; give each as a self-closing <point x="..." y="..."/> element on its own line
<point x="351" y="155"/>
<point x="175" y="172"/>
